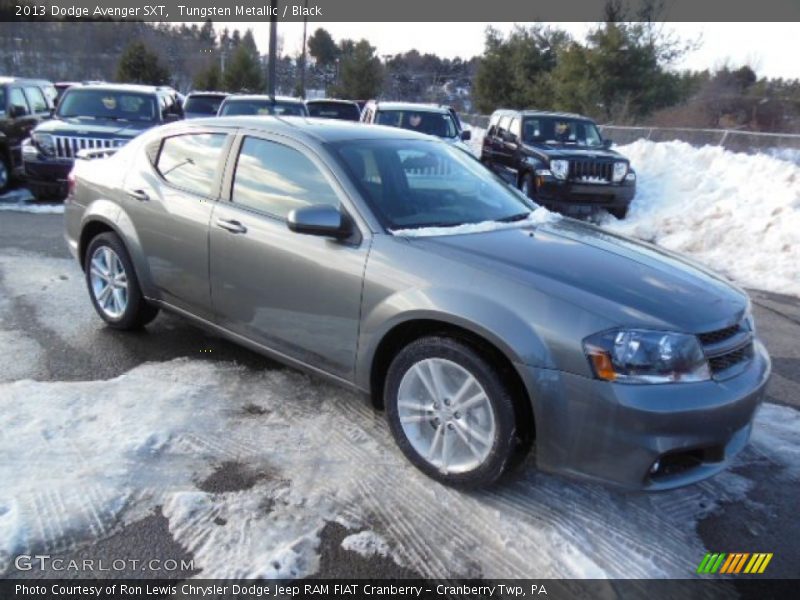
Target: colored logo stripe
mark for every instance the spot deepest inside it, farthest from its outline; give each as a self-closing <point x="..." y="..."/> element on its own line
<point x="734" y="563"/>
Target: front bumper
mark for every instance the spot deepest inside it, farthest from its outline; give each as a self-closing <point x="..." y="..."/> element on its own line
<point x="45" y="176"/>
<point x="574" y="198"/>
<point x="615" y="433"/>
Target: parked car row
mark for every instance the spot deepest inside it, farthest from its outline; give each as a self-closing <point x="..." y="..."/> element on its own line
<point x="558" y="159"/>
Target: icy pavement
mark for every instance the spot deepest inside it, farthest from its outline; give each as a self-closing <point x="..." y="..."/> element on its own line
<point x="21" y="200"/>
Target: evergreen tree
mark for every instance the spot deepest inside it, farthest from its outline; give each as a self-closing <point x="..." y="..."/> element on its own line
<point x="244" y="72"/>
<point x="139" y="65"/>
<point x="360" y="71"/>
<point x="322" y="48"/>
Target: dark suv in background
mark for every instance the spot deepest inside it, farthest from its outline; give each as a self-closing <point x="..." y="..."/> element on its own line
<point x="560" y="160"/>
<point x="91" y="117"/>
<point x="24" y="103"/>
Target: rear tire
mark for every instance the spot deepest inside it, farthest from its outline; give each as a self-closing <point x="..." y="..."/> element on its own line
<point x="619" y="213"/>
<point x="113" y="286"/>
<point x="450" y="412"/>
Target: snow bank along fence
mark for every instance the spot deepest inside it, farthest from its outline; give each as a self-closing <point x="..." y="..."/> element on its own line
<point x="782" y="145"/>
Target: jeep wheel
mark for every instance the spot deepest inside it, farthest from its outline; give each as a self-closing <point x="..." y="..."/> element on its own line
<point x="528" y="186"/>
<point x="450" y="412"/>
<point x="619" y="213"/>
<point x="113" y="286"/>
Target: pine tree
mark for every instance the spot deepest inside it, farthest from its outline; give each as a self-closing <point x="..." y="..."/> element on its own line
<point x="139" y="65"/>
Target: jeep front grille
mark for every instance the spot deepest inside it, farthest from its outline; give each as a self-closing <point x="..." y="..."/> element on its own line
<point x="590" y="170"/>
<point x="69" y="146"/>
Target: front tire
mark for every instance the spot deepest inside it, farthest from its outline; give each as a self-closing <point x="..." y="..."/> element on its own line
<point x="619" y="213"/>
<point x="5" y="175"/>
<point x="450" y="412"/>
<point x="113" y="286"/>
<point x="527" y="186"/>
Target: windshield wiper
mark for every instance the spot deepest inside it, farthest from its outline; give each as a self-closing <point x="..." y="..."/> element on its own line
<point x="512" y="218"/>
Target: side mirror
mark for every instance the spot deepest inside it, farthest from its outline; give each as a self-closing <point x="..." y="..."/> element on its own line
<point x="466" y="135"/>
<point x="16" y="111"/>
<point x="607" y="143"/>
<point x="319" y="219"/>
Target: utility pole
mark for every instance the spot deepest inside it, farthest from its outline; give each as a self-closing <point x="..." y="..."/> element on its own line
<point x="273" y="48"/>
<point x="303" y="64"/>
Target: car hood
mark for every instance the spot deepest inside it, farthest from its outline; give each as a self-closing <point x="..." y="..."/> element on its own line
<point x="624" y="281"/>
<point x="563" y="151"/>
<point x="94" y="127"/>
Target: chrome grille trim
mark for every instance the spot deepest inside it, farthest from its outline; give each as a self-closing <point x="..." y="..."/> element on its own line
<point x="68" y="146"/>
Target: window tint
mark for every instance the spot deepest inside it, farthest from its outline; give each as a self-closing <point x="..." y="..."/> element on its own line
<point x="204" y="105"/>
<point x="36" y="99"/>
<point x="276" y="179"/>
<point x="16" y="98"/>
<point x="431" y="123"/>
<point x="334" y="110"/>
<point x="108" y="104"/>
<point x="190" y="161"/>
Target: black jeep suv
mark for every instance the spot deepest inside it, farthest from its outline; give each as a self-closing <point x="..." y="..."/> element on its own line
<point x="91" y="117"/>
<point x="24" y="103"/>
<point x="560" y="160"/>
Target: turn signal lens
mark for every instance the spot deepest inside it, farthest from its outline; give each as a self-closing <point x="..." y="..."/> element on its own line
<point x="601" y="361"/>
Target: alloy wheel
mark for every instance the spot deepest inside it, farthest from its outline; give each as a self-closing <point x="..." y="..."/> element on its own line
<point x="446" y="415"/>
<point x="109" y="282"/>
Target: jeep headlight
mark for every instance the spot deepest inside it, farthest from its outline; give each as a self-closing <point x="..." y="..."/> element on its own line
<point x="559" y="168"/>
<point x="620" y="170"/>
<point x="45" y="143"/>
<point x="642" y="356"/>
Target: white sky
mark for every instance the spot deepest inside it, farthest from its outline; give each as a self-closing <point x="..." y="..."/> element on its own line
<point x="772" y="49"/>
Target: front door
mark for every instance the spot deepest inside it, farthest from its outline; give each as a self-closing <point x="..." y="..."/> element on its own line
<point x="297" y="294"/>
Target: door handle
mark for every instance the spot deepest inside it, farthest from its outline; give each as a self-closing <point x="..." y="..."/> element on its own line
<point x="231" y="225"/>
<point x="139" y="195"/>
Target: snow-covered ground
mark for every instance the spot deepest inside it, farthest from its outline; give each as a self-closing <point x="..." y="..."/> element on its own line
<point x="739" y="214"/>
<point x="21" y="200"/>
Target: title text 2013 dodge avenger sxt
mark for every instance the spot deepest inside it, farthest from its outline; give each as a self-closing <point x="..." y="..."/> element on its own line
<point x="401" y="267"/>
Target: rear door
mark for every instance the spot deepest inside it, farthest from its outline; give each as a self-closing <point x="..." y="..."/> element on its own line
<point x="21" y="124"/>
<point x="170" y="201"/>
<point x="299" y="295"/>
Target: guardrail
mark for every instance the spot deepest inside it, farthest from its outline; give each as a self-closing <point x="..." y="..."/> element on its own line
<point x="781" y="145"/>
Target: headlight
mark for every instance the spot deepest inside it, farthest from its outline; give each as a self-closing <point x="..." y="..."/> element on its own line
<point x="559" y="168"/>
<point x="45" y="143"/>
<point x="620" y="170"/>
<point x="641" y="356"/>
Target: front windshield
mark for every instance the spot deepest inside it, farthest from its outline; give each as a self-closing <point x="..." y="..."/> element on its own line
<point x="412" y="184"/>
<point x="432" y="123"/>
<point x="263" y="107"/>
<point x="108" y="104"/>
<point x="557" y="130"/>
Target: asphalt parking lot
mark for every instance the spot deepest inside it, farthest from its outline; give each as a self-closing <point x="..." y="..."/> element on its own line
<point x="320" y="466"/>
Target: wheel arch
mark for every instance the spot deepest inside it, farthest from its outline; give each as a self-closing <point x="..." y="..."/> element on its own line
<point x="405" y="332"/>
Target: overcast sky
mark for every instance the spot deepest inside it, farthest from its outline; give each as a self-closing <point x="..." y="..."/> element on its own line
<point x="772" y="49"/>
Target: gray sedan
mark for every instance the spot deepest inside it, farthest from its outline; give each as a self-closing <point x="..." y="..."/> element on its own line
<point x="396" y="265"/>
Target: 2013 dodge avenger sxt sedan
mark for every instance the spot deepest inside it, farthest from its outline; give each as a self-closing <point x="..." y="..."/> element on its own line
<point x="401" y="267"/>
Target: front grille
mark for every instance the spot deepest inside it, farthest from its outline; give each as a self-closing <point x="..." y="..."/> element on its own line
<point x="727" y="347"/>
<point x="69" y="146"/>
<point x="590" y="170"/>
<point x="726" y="361"/>
<point x="720" y="335"/>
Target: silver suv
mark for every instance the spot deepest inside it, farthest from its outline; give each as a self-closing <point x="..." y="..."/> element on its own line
<point x="396" y="265"/>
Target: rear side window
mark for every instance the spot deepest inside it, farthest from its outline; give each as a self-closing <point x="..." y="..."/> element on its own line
<point x="190" y="161"/>
<point x="17" y="99"/>
<point x="275" y="179"/>
<point x="36" y="99"/>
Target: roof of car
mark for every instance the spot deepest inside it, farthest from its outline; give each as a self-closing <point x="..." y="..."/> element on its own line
<point x="321" y="130"/>
<point x="122" y="87"/>
<point x="247" y="97"/>
<point x="415" y="106"/>
<point x="330" y="101"/>
<point x="540" y="113"/>
<point x="207" y="93"/>
<point x="6" y="79"/>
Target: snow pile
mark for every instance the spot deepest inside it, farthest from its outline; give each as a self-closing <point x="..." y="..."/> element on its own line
<point x="537" y="217"/>
<point x="21" y="200"/>
<point x="737" y="213"/>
